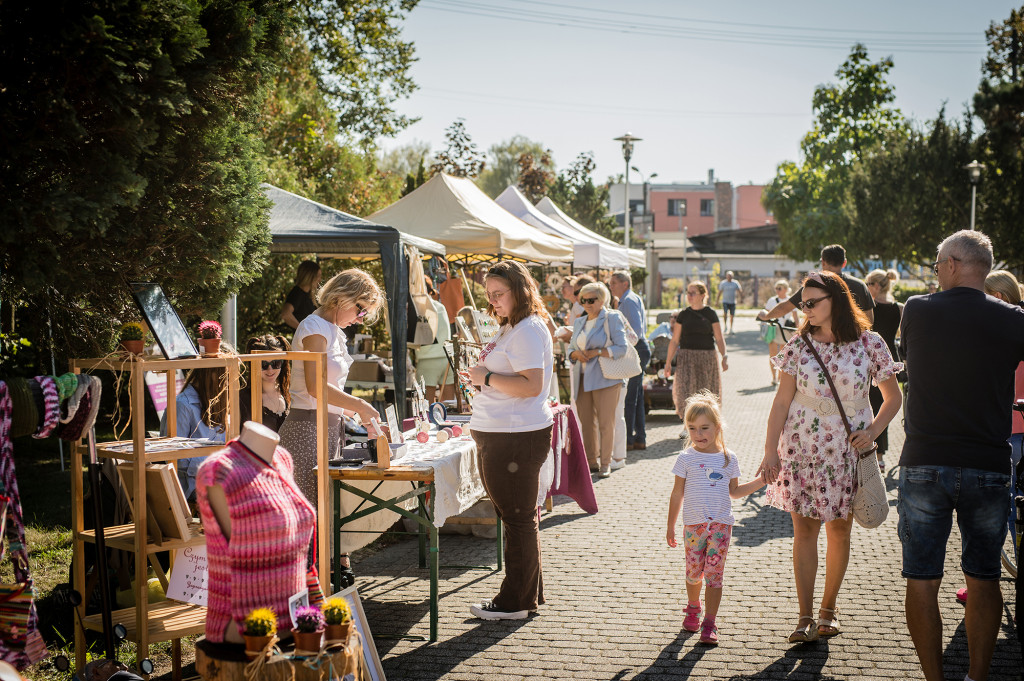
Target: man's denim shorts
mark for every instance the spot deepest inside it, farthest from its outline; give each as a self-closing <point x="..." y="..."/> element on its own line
<point x="928" y="496"/>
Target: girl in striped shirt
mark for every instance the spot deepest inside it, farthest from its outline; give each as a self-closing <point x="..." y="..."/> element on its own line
<point x="707" y="479"/>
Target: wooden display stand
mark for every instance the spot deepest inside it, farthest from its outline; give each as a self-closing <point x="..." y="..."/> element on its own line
<point x="170" y="620"/>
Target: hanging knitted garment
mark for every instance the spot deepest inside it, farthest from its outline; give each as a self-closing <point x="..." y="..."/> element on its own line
<point x="264" y="563"/>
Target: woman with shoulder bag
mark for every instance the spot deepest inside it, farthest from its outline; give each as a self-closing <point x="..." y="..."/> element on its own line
<point x="810" y="461"/>
<point x="597" y="397"/>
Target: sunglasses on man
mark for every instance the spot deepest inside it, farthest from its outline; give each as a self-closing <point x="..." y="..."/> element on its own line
<point x="273" y="364"/>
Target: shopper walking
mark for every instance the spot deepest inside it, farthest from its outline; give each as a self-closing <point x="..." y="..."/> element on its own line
<point x="771" y="333"/>
<point x="728" y="294"/>
<point x="887" y="322"/>
<point x="632" y="308"/>
<point x="809" y="462"/>
<point x="692" y="348"/>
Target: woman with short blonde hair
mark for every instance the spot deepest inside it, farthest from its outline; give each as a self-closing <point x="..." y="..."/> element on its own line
<point x="886" y="323"/>
<point x="349" y="296"/>
<point x="770" y="333"/>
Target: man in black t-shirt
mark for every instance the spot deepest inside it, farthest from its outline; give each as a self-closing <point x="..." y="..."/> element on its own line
<point x="956" y="456"/>
<point x="833" y="259"/>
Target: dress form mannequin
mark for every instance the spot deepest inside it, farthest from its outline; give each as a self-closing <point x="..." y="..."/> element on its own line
<point x="262" y="441"/>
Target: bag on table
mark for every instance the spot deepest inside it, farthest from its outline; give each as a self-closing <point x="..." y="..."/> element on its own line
<point x="624" y="367"/>
<point x="870" y="504"/>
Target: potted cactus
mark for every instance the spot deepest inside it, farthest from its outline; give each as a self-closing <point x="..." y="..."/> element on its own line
<point x="209" y="337"/>
<point x="131" y="338"/>
<point x="309" y="630"/>
<point x="259" y="628"/>
<point x="339" y="621"/>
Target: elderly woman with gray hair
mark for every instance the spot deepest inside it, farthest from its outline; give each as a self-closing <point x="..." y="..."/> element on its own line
<point x="600" y="332"/>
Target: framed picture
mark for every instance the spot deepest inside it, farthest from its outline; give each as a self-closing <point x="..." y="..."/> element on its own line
<point x="163" y="321"/>
<point x="370" y="657"/>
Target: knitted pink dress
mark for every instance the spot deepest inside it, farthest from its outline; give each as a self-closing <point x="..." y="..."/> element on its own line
<point x="264" y="563"/>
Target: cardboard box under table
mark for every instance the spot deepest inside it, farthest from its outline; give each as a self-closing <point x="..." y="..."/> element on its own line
<point x="430" y="484"/>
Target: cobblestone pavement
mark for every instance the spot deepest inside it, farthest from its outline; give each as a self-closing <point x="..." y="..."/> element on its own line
<point x="615" y="591"/>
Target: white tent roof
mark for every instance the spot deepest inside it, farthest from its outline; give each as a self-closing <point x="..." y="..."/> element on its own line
<point x="455" y="212"/>
<point x="586" y="253"/>
<point x="548" y="208"/>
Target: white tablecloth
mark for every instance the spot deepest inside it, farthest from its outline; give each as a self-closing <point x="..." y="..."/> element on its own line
<point x="457" y="486"/>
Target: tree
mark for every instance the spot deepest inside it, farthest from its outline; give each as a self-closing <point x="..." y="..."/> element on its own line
<point x="905" y="200"/>
<point x="503" y="170"/>
<point x="361" y="63"/>
<point x="575" y="193"/>
<point x="999" y="104"/>
<point x="461" y="157"/>
<point x="130" y="154"/>
<point x="535" y="176"/>
<point x="404" y="159"/>
<point x="853" y="118"/>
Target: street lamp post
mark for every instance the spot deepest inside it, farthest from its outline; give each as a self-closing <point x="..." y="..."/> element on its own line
<point x="974" y="175"/>
<point x="627" y="153"/>
<point x="646" y="181"/>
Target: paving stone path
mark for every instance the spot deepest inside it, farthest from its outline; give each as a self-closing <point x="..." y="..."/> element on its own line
<point x="615" y="591"/>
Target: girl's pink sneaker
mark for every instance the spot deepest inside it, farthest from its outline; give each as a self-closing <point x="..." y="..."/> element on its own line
<point x="692" y="620"/>
<point x="709" y="633"/>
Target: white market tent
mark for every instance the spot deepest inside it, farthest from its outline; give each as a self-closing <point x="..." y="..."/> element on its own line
<point x="548" y="208"/>
<point x="454" y="212"/>
<point x="586" y="252"/>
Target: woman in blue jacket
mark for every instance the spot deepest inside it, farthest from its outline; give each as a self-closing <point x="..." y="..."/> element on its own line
<point x="599" y="333"/>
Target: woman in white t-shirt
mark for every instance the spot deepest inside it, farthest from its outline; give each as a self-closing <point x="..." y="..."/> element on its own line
<point x="770" y="332"/>
<point x="511" y="425"/>
<point x="349" y="296"/>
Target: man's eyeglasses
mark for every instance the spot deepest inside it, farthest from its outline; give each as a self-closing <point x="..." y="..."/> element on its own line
<point x="273" y="364"/>
<point x="362" y="311"/>
<point x="809" y="304"/>
<point x="588" y="301"/>
<point x="935" y="265"/>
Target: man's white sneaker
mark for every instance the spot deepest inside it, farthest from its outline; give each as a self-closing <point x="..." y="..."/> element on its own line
<point x="489" y="611"/>
<point x="618" y="463"/>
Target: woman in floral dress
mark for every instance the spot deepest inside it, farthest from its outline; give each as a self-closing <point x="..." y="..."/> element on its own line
<point x="809" y="463"/>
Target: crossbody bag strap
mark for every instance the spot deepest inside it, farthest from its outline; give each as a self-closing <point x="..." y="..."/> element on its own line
<point x="831" y="385"/>
<point x="607" y="333"/>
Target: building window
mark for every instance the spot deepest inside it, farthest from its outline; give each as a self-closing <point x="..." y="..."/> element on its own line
<point x="677" y="207"/>
<point x="707" y="208"/>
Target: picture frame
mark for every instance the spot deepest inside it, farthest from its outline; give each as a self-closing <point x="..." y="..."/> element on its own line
<point x="370" y="657"/>
<point x="167" y="512"/>
<point x="163" y="321"/>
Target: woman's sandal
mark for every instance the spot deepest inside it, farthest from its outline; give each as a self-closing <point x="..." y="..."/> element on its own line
<point x="806" y="633"/>
<point x="828" y="626"/>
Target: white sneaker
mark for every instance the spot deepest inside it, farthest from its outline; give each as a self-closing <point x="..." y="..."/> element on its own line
<point x="489" y="611"/>
<point x="618" y="463"/>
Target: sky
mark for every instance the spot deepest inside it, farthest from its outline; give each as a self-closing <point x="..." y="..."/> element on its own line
<point x="722" y="85"/>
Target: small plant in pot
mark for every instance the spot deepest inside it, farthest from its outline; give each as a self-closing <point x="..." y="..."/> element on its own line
<point x="309" y="630"/>
<point x="259" y="628"/>
<point x="339" y="621"/>
<point x="131" y="337"/>
<point x="209" y="337"/>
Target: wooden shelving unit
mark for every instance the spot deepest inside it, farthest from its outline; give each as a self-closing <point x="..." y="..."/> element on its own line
<point x="169" y="620"/>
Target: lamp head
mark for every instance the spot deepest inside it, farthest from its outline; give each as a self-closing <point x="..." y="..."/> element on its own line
<point x="974" y="171"/>
<point x="627" y="145"/>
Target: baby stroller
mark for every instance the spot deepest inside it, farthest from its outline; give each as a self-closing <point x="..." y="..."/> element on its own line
<point x="658" y="382"/>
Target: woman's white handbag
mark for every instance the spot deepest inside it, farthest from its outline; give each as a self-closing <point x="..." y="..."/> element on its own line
<point x="870" y="503"/>
<point x="624" y="367"/>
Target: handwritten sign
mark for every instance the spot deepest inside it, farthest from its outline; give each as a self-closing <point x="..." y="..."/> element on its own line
<point x="187" y="582"/>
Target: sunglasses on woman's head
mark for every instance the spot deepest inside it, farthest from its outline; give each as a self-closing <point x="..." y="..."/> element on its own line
<point x="273" y="364"/>
<point x="587" y="301"/>
<point x="809" y="304"/>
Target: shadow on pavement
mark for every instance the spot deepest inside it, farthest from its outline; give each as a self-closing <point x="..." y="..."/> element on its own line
<point x="669" y="662"/>
<point x="804" y="661"/>
<point x="766" y="524"/>
<point x="435" y="660"/>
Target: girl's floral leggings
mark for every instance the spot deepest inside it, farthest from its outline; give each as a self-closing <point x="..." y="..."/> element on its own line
<point x="707" y="545"/>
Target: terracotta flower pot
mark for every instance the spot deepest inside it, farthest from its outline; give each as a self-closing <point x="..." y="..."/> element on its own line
<point x="133" y="346"/>
<point x="337" y="634"/>
<point x="307" y="642"/>
<point x="211" y="346"/>
<point x="254" y="645"/>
